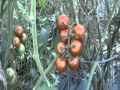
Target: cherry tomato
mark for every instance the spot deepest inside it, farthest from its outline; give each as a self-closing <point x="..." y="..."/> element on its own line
<point x="11" y="77"/>
<point x="61" y="48"/>
<point x="76" y="47"/>
<point x="24" y="38"/>
<point x="64" y="35"/>
<point x="21" y="49"/>
<point x="63" y="21"/>
<point x="61" y="65"/>
<point x="74" y="63"/>
<point x="80" y="32"/>
<point x="13" y="83"/>
<point x="19" y="31"/>
<point x="10" y="73"/>
<point x="16" y="41"/>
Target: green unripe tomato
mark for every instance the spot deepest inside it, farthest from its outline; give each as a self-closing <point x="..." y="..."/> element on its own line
<point x="21" y="49"/>
<point x="13" y="83"/>
<point x="10" y="73"/>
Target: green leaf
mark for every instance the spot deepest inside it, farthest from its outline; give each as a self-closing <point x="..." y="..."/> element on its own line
<point x="46" y="88"/>
<point x="42" y="3"/>
<point x="21" y="7"/>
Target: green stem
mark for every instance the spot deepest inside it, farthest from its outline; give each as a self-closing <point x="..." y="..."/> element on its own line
<point x="91" y="75"/>
<point x="46" y="72"/>
<point x="35" y="44"/>
<point x="10" y="9"/>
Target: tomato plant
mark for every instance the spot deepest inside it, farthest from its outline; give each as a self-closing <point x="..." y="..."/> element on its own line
<point x="76" y="47"/>
<point x="63" y="21"/>
<point x="61" y="65"/>
<point x="48" y="21"/>
<point x="74" y="63"/>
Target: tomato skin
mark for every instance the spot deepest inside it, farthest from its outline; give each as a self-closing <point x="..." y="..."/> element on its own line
<point x="61" y="48"/>
<point x="74" y="63"/>
<point x="21" y="49"/>
<point x="64" y="35"/>
<point x="16" y="41"/>
<point x="80" y="32"/>
<point x="76" y="48"/>
<point x="19" y="31"/>
<point x="61" y="65"/>
<point x="63" y="21"/>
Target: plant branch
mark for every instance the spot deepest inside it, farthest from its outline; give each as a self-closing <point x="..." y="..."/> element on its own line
<point x="76" y="10"/>
<point x="91" y="75"/>
<point x="46" y="72"/>
<point x="10" y="9"/>
<point x="35" y="43"/>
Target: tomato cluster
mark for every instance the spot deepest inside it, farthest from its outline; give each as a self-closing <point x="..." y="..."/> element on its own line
<point x="69" y="46"/>
<point x="19" y="40"/>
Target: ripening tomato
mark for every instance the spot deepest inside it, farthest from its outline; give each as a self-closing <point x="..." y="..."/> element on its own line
<point x="63" y="21"/>
<point x="64" y="35"/>
<point x="61" y="65"/>
<point x="61" y="48"/>
<point x="76" y="47"/>
<point x="74" y="63"/>
<point x="16" y="41"/>
<point x="24" y="38"/>
<point x="80" y="32"/>
<point x="19" y="31"/>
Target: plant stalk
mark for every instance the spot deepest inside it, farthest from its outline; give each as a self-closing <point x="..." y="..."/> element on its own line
<point x="35" y="43"/>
